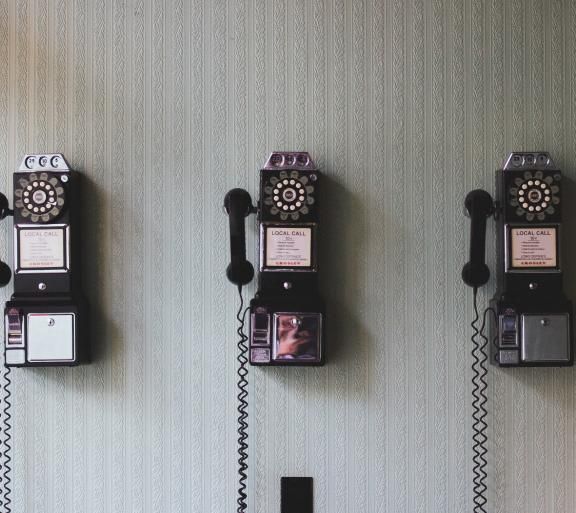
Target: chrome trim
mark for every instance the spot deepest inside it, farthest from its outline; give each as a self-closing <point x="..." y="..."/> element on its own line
<point x="43" y="162"/>
<point x="8" y="346"/>
<point x="319" y="340"/>
<point x="73" y="314"/>
<point x="516" y="161"/>
<point x="300" y="160"/>
<point x="58" y="270"/>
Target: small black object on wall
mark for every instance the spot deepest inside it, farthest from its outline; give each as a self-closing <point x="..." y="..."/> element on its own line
<point x="296" y="495"/>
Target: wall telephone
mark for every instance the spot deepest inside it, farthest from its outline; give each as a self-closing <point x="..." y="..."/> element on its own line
<point x="46" y="315"/>
<point x="530" y="316"/>
<point x="287" y="314"/>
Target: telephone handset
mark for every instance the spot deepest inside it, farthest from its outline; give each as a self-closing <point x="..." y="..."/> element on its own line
<point x="287" y="313"/>
<point x="46" y="315"/>
<point x="533" y="317"/>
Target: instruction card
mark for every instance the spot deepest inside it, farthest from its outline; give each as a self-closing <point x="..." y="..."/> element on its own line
<point x="533" y="247"/>
<point x="288" y="246"/>
<point x="41" y="248"/>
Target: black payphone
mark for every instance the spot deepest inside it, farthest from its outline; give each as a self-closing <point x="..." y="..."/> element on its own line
<point x="45" y="320"/>
<point x="287" y="314"/>
<point x="530" y="317"/>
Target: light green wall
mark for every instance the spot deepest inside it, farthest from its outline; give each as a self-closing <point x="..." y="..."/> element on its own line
<point x="164" y="106"/>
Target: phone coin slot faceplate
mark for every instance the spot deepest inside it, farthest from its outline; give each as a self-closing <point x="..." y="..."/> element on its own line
<point x="50" y="337"/>
<point x="545" y="338"/>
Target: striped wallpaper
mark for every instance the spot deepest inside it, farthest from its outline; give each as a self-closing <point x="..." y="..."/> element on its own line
<point x="405" y="105"/>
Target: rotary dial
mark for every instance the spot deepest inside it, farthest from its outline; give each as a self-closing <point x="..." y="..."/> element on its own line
<point x="289" y="194"/>
<point x="40" y="198"/>
<point x="535" y="195"/>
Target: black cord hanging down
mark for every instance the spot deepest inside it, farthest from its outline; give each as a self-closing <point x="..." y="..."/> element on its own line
<point x="5" y="453"/>
<point x="479" y="386"/>
<point x="242" y="406"/>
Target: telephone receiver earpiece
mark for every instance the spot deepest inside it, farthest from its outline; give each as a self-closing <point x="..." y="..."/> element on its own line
<point x="480" y="206"/>
<point x="238" y="205"/>
<point x="5" y="272"/>
<point x="4" y="210"/>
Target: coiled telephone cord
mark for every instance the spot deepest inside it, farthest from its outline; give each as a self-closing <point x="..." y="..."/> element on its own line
<point x="479" y="412"/>
<point x="5" y="453"/>
<point x="242" y="387"/>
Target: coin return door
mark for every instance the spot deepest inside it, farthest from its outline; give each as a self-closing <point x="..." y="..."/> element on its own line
<point x="40" y="338"/>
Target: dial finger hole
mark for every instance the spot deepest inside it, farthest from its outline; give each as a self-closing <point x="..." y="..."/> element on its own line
<point x="276" y="198"/>
<point x="546" y="198"/>
<point x="544" y="204"/>
<point x="301" y="198"/>
<point x="298" y="204"/>
<point x="538" y="208"/>
<point x="525" y="205"/>
<point x="543" y="186"/>
<point x="292" y="207"/>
